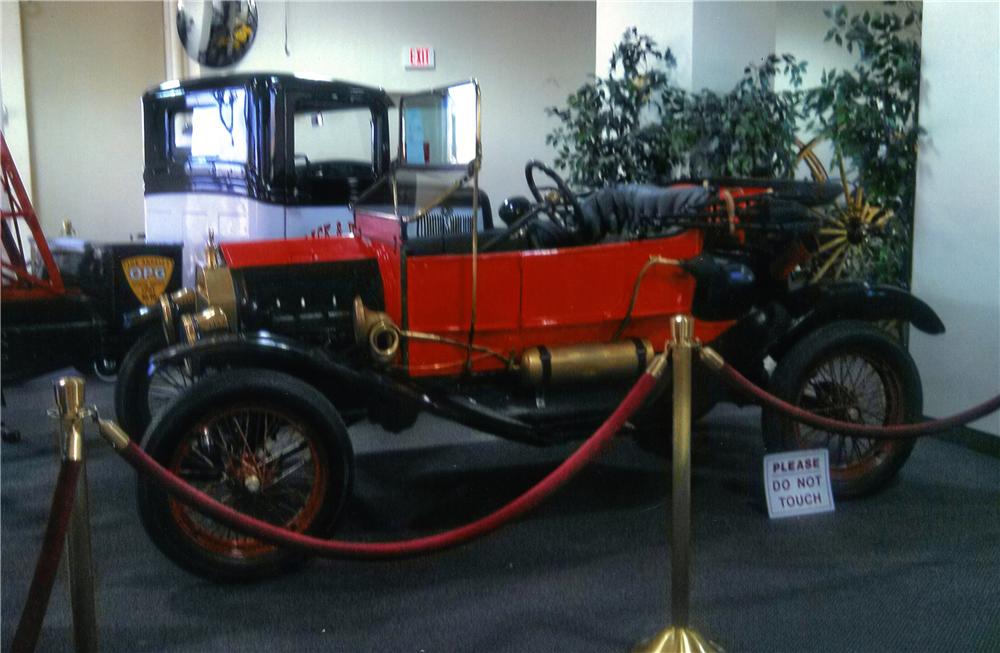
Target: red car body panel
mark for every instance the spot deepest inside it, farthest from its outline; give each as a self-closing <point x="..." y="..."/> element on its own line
<point x="267" y="253"/>
<point x="526" y="298"/>
<point x="380" y="233"/>
<point x="547" y="297"/>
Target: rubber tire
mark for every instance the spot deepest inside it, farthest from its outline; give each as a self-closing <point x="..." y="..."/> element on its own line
<point x="132" y="386"/>
<point x="654" y="421"/>
<point x="265" y="387"/>
<point x="796" y="363"/>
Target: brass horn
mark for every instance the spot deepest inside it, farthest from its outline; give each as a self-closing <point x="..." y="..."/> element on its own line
<point x="378" y="330"/>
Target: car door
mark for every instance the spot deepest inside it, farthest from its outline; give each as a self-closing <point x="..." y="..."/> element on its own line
<point x="581" y="294"/>
<point x="546" y="297"/>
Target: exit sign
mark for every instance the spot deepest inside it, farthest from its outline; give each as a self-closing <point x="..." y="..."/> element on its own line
<point x="418" y="58"/>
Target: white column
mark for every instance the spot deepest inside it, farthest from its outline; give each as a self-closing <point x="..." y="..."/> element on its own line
<point x="957" y="222"/>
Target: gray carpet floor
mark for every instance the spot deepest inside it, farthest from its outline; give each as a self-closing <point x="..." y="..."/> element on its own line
<point x="915" y="568"/>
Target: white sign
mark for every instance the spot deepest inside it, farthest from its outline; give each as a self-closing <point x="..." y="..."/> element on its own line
<point x="419" y="57"/>
<point x="798" y="483"/>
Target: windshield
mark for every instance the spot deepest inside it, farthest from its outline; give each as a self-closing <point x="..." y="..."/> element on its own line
<point x="414" y="191"/>
<point x="430" y="203"/>
<point x="440" y="128"/>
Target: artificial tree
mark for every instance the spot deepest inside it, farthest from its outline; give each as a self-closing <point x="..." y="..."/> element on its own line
<point x="637" y="125"/>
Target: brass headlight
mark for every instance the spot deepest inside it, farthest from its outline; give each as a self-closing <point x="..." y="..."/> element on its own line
<point x="199" y="324"/>
<point x="184" y="299"/>
<point x="214" y="288"/>
<point x="172" y="305"/>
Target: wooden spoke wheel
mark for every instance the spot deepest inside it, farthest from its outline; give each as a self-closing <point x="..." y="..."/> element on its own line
<point x="846" y="226"/>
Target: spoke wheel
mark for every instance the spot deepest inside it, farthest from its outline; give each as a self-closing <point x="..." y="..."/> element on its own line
<point x="849" y="386"/>
<point x="132" y="408"/>
<point x="261" y="442"/>
<point x="846" y="226"/>
<point x="259" y="461"/>
<point x="165" y="385"/>
<point x="852" y="372"/>
<point x="140" y="397"/>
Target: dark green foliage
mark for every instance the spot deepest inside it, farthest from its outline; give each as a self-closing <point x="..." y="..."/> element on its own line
<point x="749" y="131"/>
<point x="604" y="134"/>
<point x="870" y="112"/>
<point x="636" y="125"/>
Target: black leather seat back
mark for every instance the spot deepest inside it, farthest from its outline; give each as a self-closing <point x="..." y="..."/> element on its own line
<point x="635" y="210"/>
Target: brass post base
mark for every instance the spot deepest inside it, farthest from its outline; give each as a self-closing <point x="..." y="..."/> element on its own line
<point x="678" y="640"/>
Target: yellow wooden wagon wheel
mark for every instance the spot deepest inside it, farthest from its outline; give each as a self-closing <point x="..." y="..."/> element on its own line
<point x="845" y="226"/>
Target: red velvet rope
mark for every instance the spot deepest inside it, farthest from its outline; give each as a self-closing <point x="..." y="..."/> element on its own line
<point x="30" y="625"/>
<point x="205" y="504"/>
<point x="872" y="431"/>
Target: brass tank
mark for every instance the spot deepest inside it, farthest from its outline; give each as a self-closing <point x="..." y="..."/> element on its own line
<point x="599" y="361"/>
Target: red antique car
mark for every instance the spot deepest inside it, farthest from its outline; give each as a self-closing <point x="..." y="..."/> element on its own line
<point x="532" y="331"/>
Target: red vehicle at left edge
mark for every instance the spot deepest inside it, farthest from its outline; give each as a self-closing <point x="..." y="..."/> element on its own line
<point x="63" y="303"/>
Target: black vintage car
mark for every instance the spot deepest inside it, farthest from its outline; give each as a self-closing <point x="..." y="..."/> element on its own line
<point x="258" y="156"/>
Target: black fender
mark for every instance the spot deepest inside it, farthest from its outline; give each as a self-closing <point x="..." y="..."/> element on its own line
<point x="343" y="385"/>
<point x="351" y="390"/>
<point x="814" y="305"/>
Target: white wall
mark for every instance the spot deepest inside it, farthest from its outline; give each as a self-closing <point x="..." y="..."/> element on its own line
<point x="14" y="116"/>
<point x="727" y="37"/>
<point x="667" y="23"/>
<point x="526" y="55"/>
<point x="957" y="230"/>
<point x="86" y="65"/>
<point x="799" y="29"/>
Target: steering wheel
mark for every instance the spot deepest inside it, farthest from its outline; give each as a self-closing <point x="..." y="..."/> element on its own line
<point x="563" y="209"/>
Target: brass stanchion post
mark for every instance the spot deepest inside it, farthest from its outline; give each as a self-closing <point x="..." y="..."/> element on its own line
<point x="69" y="395"/>
<point x="679" y="638"/>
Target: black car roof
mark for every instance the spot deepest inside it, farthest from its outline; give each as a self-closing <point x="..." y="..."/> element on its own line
<point x="368" y="94"/>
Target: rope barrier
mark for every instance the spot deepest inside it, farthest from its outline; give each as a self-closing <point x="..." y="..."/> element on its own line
<point x="264" y="531"/>
<point x="30" y="625"/>
<point x="69" y="403"/>
<point x="717" y="364"/>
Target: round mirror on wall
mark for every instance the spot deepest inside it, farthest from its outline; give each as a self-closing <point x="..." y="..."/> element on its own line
<point x="216" y="33"/>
